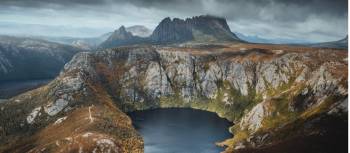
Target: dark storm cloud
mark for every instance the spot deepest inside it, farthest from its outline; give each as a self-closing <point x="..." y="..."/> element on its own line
<point x="269" y="17"/>
<point x="281" y="10"/>
<point x="332" y="7"/>
<point x="41" y="3"/>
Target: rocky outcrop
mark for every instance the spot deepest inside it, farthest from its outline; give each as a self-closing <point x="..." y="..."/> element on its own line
<point x="253" y="120"/>
<point x="260" y="90"/>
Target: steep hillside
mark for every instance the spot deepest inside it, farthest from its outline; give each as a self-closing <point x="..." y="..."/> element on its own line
<point x="26" y="58"/>
<point x="272" y="94"/>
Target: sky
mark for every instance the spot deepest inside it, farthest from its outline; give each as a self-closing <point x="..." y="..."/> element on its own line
<point x="309" y="20"/>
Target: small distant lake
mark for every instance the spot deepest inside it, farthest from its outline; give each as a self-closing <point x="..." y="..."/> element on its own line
<point x="12" y="88"/>
<point x="180" y="130"/>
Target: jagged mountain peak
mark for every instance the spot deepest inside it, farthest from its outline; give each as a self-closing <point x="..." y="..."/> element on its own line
<point x="122" y="28"/>
<point x="121" y="37"/>
<point x="203" y="28"/>
<point x="166" y="20"/>
<point x="121" y="33"/>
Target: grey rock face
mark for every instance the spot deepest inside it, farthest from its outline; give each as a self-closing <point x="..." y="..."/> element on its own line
<point x="151" y="73"/>
<point x="198" y="28"/>
<point x="203" y="28"/>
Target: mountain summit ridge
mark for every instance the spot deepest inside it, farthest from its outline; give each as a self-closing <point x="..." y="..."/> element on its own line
<point x="204" y="28"/>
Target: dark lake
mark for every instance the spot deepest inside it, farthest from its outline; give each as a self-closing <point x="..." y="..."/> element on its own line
<point x="180" y="130"/>
<point x="12" y="88"/>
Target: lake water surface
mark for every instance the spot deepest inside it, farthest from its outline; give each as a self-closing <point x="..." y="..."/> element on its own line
<point x="180" y="130"/>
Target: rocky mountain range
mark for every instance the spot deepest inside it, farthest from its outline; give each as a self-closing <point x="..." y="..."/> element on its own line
<point x="92" y="43"/>
<point x="342" y="44"/>
<point x="82" y="43"/>
<point x="28" y="58"/>
<point x="262" y="40"/>
<point x="203" y="28"/>
<point x="279" y="98"/>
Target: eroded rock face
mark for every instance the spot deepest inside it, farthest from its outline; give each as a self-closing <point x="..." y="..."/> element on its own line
<point x="164" y="73"/>
<point x="199" y="28"/>
<point x="253" y="119"/>
<point x="248" y="86"/>
<point x="148" y="74"/>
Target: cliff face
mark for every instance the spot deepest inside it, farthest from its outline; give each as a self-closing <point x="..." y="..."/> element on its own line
<point x="199" y="28"/>
<point x="260" y="88"/>
<point x="203" y="28"/>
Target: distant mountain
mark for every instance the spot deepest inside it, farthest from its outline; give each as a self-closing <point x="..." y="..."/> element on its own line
<point x="122" y="37"/>
<point x="203" y="28"/>
<point x="28" y="58"/>
<point x="93" y="42"/>
<point x="82" y="43"/>
<point x="258" y="39"/>
<point x="343" y="44"/>
<point x="139" y="30"/>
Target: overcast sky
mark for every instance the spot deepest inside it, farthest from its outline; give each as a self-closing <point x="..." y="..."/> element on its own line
<point x="312" y="20"/>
